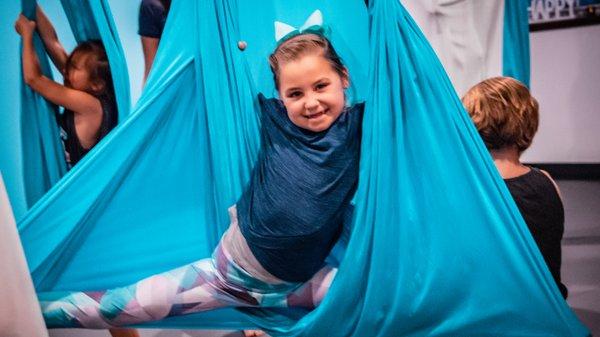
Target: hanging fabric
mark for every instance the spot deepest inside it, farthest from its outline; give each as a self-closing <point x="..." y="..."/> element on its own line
<point x="92" y="19"/>
<point x="437" y="246"/>
<point x="42" y="151"/>
<point x="43" y="154"/>
<point x="516" y="58"/>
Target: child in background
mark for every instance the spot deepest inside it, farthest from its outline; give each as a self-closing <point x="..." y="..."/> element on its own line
<point x="506" y="116"/>
<point x="284" y="224"/>
<point x="87" y="93"/>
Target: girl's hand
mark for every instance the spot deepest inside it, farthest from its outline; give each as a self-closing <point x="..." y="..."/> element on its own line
<point x="24" y="26"/>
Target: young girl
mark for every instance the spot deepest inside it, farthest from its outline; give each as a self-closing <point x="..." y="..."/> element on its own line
<point x="284" y="224"/>
<point x="506" y="116"/>
<point x="87" y="94"/>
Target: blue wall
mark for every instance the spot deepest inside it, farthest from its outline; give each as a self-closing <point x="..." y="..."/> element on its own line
<point x="125" y="16"/>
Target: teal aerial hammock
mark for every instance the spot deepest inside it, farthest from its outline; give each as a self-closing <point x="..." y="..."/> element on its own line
<point x="515" y="60"/>
<point x="437" y="245"/>
<point x="43" y="155"/>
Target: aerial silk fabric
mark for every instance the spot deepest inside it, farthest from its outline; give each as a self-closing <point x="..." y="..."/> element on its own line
<point x="437" y="246"/>
<point x="92" y="20"/>
<point x="476" y="40"/>
<point x="43" y="155"/>
<point x="516" y="61"/>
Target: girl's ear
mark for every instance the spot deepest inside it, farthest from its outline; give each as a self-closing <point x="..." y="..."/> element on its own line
<point x="97" y="86"/>
<point x="346" y="79"/>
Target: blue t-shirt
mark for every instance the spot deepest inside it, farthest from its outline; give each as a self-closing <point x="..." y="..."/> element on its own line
<point x="152" y="17"/>
<point x="293" y="208"/>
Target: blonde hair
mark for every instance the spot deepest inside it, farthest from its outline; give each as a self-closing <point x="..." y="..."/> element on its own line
<point x="302" y="45"/>
<point x="504" y="113"/>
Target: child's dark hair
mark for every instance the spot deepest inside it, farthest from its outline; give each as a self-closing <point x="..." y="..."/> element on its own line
<point x="504" y="113"/>
<point x="301" y="45"/>
<point x="96" y="64"/>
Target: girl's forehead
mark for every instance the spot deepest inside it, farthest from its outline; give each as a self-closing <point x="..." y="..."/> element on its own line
<point x="306" y="67"/>
<point x="308" y="62"/>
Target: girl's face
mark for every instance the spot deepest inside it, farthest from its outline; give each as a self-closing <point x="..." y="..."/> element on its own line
<point x="312" y="92"/>
<point x="78" y="75"/>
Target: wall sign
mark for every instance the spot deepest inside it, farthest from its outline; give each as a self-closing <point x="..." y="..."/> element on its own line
<point x="552" y="14"/>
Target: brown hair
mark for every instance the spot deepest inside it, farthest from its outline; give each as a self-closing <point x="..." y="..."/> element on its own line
<point x="96" y="64"/>
<point x="302" y="45"/>
<point x="504" y="113"/>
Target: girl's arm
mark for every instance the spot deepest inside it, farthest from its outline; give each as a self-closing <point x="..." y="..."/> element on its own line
<point x="76" y="100"/>
<point x="149" y="47"/>
<point x="57" y="52"/>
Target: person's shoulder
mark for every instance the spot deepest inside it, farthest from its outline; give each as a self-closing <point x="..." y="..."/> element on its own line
<point x="356" y="111"/>
<point x="357" y="108"/>
<point x="270" y="103"/>
<point x="552" y="181"/>
<point x="359" y="105"/>
<point x="271" y="111"/>
<point x="262" y="97"/>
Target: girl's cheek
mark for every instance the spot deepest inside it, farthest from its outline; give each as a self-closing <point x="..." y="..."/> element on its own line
<point x="291" y="106"/>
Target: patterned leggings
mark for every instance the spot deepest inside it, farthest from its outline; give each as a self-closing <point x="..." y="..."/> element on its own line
<point x="203" y="285"/>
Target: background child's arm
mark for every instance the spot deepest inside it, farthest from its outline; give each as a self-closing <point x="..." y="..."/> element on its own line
<point x="149" y="47"/>
<point x="53" y="46"/>
<point x="75" y="100"/>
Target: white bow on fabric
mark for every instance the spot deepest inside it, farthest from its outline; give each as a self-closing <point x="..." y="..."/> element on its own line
<point x="283" y="30"/>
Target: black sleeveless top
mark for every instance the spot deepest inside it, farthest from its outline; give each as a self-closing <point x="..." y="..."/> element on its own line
<point x="541" y="207"/>
<point x="73" y="149"/>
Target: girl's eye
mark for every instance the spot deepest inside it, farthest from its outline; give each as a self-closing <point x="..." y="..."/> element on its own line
<point x="321" y="86"/>
<point x="294" y="94"/>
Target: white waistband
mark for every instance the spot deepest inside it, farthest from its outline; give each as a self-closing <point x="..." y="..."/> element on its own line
<point x="241" y="254"/>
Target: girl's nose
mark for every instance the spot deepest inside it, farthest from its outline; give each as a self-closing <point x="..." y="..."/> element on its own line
<point x="311" y="103"/>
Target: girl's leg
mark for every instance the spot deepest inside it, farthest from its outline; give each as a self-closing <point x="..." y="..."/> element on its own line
<point x="310" y="294"/>
<point x="192" y="288"/>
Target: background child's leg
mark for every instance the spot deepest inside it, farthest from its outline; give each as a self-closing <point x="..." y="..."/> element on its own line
<point x="191" y="288"/>
<point x="311" y="293"/>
